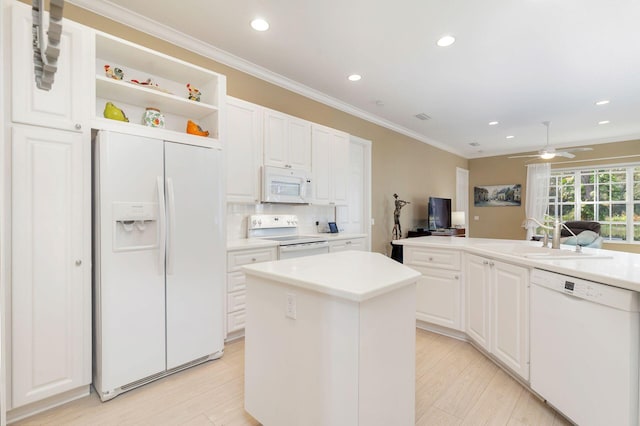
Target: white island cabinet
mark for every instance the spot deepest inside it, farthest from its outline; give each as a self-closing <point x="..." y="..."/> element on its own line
<point x="330" y="340"/>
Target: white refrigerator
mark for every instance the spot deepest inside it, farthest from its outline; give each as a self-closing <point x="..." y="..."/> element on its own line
<point x="158" y="259"/>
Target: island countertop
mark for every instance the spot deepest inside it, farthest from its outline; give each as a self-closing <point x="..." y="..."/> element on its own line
<point x="619" y="269"/>
<point x="352" y="275"/>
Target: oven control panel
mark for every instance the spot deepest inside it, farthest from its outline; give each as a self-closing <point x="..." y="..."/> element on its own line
<point x="267" y="221"/>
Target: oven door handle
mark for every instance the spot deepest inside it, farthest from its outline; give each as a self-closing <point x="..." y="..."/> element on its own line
<point x="304" y="246"/>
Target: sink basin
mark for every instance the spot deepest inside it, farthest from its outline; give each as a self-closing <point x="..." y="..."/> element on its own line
<point x="543" y="253"/>
<point x="566" y="254"/>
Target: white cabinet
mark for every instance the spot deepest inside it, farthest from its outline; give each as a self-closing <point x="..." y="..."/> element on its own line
<point x="66" y="105"/>
<point x="287" y="141"/>
<point x="243" y="151"/>
<point x="167" y="92"/>
<point x="510" y="317"/>
<point x="439" y="289"/>
<point x="347" y="244"/>
<point x="478" y="292"/>
<point x="51" y="263"/>
<point x="330" y="163"/>
<point x="497" y="306"/>
<point x="236" y="280"/>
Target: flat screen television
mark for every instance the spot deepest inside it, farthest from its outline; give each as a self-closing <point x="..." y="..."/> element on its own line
<point x="439" y="213"/>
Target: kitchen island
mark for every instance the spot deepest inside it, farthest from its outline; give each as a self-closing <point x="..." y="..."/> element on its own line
<point x="330" y="340"/>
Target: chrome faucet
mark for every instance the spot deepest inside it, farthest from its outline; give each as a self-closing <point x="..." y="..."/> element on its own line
<point x="545" y="241"/>
<point x="557" y="228"/>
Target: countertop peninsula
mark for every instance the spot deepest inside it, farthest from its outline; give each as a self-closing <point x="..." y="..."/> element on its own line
<point x="619" y="269"/>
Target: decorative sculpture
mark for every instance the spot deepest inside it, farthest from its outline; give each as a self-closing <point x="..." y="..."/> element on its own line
<point x="194" y="94"/>
<point x="194" y="129"/>
<point x="397" y="229"/>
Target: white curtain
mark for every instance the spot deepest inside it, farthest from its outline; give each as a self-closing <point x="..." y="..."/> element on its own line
<point x="537" y="201"/>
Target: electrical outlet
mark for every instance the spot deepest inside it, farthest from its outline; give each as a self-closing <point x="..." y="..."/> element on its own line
<point x="290" y="307"/>
<point x="476" y="218"/>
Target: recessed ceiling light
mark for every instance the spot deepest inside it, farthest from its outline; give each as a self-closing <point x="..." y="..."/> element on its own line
<point x="445" y="41"/>
<point x="354" y="77"/>
<point x="602" y="102"/>
<point x="259" y="24"/>
<point x="604" y="122"/>
<point x="510" y="137"/>
<point x="493" y="123"/>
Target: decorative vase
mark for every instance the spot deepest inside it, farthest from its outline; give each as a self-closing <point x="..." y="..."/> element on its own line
<point x="153" y="117"/>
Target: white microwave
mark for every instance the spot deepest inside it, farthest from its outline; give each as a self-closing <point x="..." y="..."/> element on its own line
<point x="283" y="185"/>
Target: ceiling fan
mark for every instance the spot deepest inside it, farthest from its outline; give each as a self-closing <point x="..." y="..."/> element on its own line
<point x="548" y="152"/>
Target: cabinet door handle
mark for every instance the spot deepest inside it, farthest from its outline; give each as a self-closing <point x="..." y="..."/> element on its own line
<point x="485" y="262"/>
<point x="430" y="259"/>
<point x="491" y="263"/>
<point x="455" y="277"/>
<point x="78" y="262"/>
<point x="78" y="126"/>
<point x="348" y="242"/>
<point x="253" y="259"/>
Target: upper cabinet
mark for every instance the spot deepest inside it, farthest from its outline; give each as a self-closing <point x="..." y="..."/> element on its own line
<point x="66" y="105"/>
<point x="244" y="151"/>
<point x="287" y="141"/>
<point x="140" y="78"/>
<point x="330" y="154"/>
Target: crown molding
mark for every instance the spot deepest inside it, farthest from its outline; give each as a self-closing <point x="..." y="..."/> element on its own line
<point x="142" y="23"/>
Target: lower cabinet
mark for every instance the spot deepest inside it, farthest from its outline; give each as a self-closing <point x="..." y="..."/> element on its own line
<point x="439" y="289"/>
<point x="497" y="310"/>
<point x="236" y="281"/>
<point x="50" y="264"/>
<point x="348" y="244"/>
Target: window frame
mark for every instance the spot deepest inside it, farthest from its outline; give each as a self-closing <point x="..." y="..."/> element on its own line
<point x="555" y="199"/>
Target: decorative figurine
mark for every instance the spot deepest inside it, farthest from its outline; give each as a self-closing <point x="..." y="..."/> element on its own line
<point x="115" y="73"/>
<point x="153" y="117"/>
<point x="194" y="129"/>
<point x="114" y="113"/>
<point x="194" y="94"/>
<point x="147" y="82"/>
<point x="397" y="230"/>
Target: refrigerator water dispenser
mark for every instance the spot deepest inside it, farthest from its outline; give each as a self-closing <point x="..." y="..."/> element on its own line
<point x="135" y="226"/>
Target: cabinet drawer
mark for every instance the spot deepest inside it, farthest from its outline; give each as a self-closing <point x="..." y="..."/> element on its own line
<point x="236" y="301"/>
<point x="235" y="259"/>
<point x="235" y="321"/>
<point x="436" y="258"/>
<point x="236" y="281"/>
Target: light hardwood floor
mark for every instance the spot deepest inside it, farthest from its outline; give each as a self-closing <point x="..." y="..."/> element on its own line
<point x="455" y="385"/>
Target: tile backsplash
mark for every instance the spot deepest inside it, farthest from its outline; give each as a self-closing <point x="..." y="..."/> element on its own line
<point x="307" y="216"/>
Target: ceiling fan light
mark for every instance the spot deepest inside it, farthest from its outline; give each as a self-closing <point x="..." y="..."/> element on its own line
<point x="547" y="155"/>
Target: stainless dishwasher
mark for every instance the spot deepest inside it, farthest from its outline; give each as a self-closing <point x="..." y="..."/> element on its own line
<point x="584" y="348"/>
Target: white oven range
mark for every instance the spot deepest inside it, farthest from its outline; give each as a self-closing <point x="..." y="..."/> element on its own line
<point x="284" y="230"/>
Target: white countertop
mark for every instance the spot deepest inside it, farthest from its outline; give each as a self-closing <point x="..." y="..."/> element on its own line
<point x="351" y="275"/>
<point x="618" y="269"/>
<point x="250" y="243"/>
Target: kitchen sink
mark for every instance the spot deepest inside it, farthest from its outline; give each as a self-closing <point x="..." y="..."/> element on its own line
<point x="543" y="253"/>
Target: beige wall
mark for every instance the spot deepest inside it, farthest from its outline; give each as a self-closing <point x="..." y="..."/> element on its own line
<point x="505" y="222"/>
<point x="400" y="164"/>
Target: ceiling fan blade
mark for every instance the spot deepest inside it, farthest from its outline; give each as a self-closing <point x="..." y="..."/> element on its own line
<point x="578" y="149"/>
<point x="525" y="156"/>
<point x="565" y="154"/>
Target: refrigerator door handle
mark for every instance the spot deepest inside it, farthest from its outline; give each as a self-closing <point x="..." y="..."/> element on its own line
<point x="162" y="225"/>
<point x="172" y="226"/>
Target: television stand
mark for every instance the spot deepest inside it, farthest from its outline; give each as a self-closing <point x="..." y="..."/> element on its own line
<point x="450" y="232"/>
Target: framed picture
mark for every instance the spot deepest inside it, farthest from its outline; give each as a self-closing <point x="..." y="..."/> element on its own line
<point x="497" y="195"/>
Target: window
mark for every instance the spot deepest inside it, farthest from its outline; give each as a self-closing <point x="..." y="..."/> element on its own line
<point x="610" y="196"/>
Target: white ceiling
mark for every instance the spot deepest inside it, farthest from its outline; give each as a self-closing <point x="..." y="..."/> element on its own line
<point x="519" y="62"/>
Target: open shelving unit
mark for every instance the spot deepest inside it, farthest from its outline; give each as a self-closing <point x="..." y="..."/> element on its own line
<point x="168" y="92"/>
